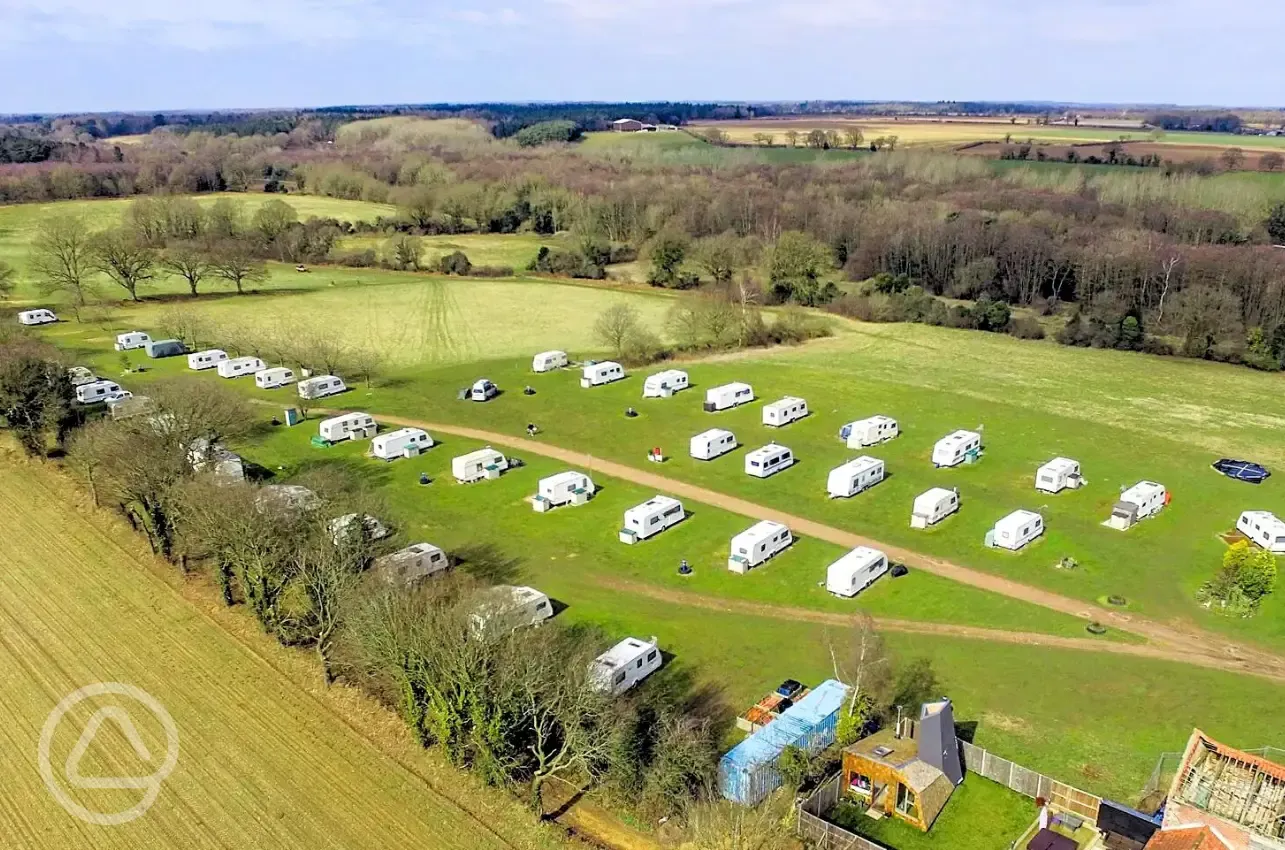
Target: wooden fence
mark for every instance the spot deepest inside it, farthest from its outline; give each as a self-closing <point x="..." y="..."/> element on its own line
<point x="819" y="832"/>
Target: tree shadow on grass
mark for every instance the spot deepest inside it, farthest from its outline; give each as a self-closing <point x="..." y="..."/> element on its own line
<point x="487" y="563"/>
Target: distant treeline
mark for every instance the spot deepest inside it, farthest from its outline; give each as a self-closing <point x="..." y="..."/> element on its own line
<point x="1202" y="122"/>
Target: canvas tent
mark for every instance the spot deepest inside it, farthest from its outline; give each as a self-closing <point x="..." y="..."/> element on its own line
<point x="1242" y="470"/>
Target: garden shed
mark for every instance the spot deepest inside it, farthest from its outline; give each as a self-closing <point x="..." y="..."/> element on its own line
<point x="748" y="772"/>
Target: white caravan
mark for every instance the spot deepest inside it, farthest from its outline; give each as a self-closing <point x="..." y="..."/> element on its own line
<point x="855" y="571"/>
<point x="624" y="665"/>
<point x="36" y="317"/>
<point x="505" y="607"/>
<point x="404" y="442"/>
<point x="474" y="466"/>
<point x="130" y="340"/>
<point x="547" y="361"/>
<point x="348" y="426"/>
<point x="869" y="432"/>
<point x="758" y="544"/>
<point x="665" y="384"/>
<point x="1264" y="528"/>
<point x="854" y="476"/>
<point x="710" y="444"/>
<point x="956" y="448"/>
<point x="199" y="361"/>
<point x="321" y="386"/>
<point x="1061" y="473"/>
<point x="96" y="391"/>
<point x="483" y="390"/>
<point x="341" y="526"/>
<point x="933" y="506"/>
<point x="273" y="377"/>
<point x="597" y="374"/>
<point x="239" y="367"/>
<point x="728" y="396"/>
<point x="79" y="375"/>
<point x="651" y="517"/>
<point x="1140" y="501"/>
<point x="565" y="488"/>
<point x="778" y="414"/>
<point x="413" y="564"/>
<point x="1016" y="530"/>
<point x="768" y="460"/>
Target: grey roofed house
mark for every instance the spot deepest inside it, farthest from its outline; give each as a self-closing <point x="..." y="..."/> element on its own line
<point x="938" y="745"/>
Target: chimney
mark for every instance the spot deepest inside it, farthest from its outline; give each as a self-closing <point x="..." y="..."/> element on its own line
<point x="938" y="745"/>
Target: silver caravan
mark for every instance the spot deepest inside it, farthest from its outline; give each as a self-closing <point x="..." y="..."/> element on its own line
<point x="713" y="443"/>
<point x="625" y="665"/>
<point x="78" y="375"/>
<point x="348" y="426"/>
<point x="239" y="367"/>
<point x="855" y="571"/>
<point x="778" y="414"/>
<point x="768" y="460"/>
<point x="956" y="448"/>
<point x="651" y="517"/>
<point x="1061" y="473"/>
<point x="408" y="567"/>
<point x="321" y="387"/>
<point x="505" y="608"/>
<point x="758" y="544"/>
<point x="404" y="442"/>
<point x="565" y="488"/>
<point x="869" y="432"/>
<point x="474" y="466"/>
<point x="933" y="506"/>
<point x="96" y="391"/>
<point x="37" y="317"/>
<point x="273" y="378"/>
<point x="728" y="396"/>
<point x="854" y="477"/>
<point x="665" y="384"/>
<point x="597" y="374"/>
<point x="547" y="361"/>
<point x="130" y="340"/>
<point x="1016" y="530"/>
<point x="199" y="361"/>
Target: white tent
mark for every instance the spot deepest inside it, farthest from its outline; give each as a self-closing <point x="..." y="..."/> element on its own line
<point x="1144" y="499"/>
<point x="932" y="506"/>
<point x="728" y="396"/>
<point x="597" y="374"/>
<point x="547" y="361"/>
<point x="625" y="665"/>
<point x="1263" y="528"/>
<point x="855" y="571"/>
<point x="781" y="413"/>
<point x="651" y="517"/>
<point x="1061" y="473"/>
<point x="565" y="488"/>
<point x="1016" y="530"/>
<point x="854" y="476"/>
<point x="956" y="448"/>
<point x="869" y="432"/>
<point x="758" y="544"/>
<point x="665" y="384"/>
<point x="474" y="466"/>
<point x="404" y="442"/>
<point x="710" y="444"/>
<point x="768" y="460"/>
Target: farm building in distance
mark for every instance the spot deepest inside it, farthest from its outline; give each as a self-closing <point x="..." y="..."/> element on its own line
<point x="1237" y="796"/>
<point x="627" y="125"/>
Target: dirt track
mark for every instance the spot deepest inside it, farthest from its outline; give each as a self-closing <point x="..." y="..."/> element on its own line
<point x="1175" y="643"/>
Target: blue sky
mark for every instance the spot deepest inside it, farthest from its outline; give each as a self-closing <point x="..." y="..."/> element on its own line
<point x="68" y="55"/>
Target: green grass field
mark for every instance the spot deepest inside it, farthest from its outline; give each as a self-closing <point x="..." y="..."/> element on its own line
<point x="516" y="251"/>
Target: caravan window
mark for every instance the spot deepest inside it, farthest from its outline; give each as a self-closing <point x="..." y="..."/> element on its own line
<point x="754" y="463"/>
<point x="541" y="606"/>
<point x="639" y="664"/>
<point x="651" y="656"/>
<point x="674" y="510"/>
<point x="655" y="520"/>
<point x="620" y="678"/>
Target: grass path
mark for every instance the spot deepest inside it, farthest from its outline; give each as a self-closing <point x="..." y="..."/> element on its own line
<point x="1186" y="644"/>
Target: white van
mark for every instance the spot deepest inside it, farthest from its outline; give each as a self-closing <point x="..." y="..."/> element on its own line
<point x="665" y="384"/>
<point x="651" y="517"/>
<point x="728" y="396"/>
<point x="273" y="377"/>
<point x="854" y="476"/>
<point x="713" y="443"/>
<point x="507" y="608"/>
<point x="565" y="488"/>
<point x="348" y="426"/>
<point x="404" y="442"/>
<point x="758" y="544"/>
<point x="547" y="361"/>
<point x="36" y="317"/>
<point x="778" y="414"/>
<point x="855" y="571"/>
<point x="932" y="506"/>
<point x="768" y="460"/>
<point x="597" y="374"/>
<point x="483" y="390"/>
<point x="96" y="391"/>
<point x="474" y="466"/>
<point x="956" y="448"/>
<point x="411" y="565"/>
<point x="320" y="387"/>
<point x="130" y="340"/>
<point x="624" y="665"/>
<point x="869" y="432"/>
<point x="199" y="361"/>
<point x="239" y="367"/>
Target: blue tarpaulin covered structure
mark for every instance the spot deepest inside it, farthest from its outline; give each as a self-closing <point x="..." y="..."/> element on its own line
<point x="1242" y="470"/>
<point x="748" y="772"/>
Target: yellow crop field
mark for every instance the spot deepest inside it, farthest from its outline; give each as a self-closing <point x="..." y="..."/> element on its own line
<point x="263" y="759"/>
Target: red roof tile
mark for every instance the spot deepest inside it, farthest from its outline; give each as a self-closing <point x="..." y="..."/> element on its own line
<point x="1190" y="838"/>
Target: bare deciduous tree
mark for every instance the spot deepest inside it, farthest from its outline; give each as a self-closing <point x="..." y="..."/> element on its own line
<point x="124" y="258"/>
<point x="187" y="260"/>
<point x="62" y="260"/>
<point x="233" y="261"/>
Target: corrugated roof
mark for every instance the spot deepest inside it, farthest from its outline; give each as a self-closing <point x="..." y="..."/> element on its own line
<point x="795" y="722"/>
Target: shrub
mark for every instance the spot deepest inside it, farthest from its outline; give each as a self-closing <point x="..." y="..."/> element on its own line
<point x="491" y="271"/>
<point x="456" y="262"/>
<point x="1024" y="327"/>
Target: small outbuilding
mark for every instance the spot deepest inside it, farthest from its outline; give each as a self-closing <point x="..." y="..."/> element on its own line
<point x="933" y="506"/>
<point x="547" y="361"/>
<point x="565" y="488"/>
<point x="159" y="348"/>
<point x="727" y="396"/>
<point x="956" y="448"/>
<point x="1142" y="500"/>
<point x="854" y="477"/>
<point x="404" y="442"/>
<point x="869" y="432"/>
<point x="1016" y="530"/>
<point x="710" y="444"/>
<point x="625" y="665"/>
<point x="96" y="391"/>
<point x="598" y="374"/>
<point x="348" y="426"/>
<point x="650" y="518"/>
<point x="130" y="340"/>
<point x="1263" y="528"/>
<point x="757" y="545"/>
<point x="855" y="571"/>
<point x="239" y="367"/>
<point x="274" y="377"/>
<point x="1061" y="473"/>
<point x="778" y="414"/>
<point x="483" y="389"/>
<point x="321" y="386"/>
<point x="408" y="567"/>
<point x="210" y="358"/>
<point x="665" y="384"/>
<point x="474" y="466"/>
<point x="39" y="316"/>
<point x="506" y="608"/>
<point x="768" y="461"/>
